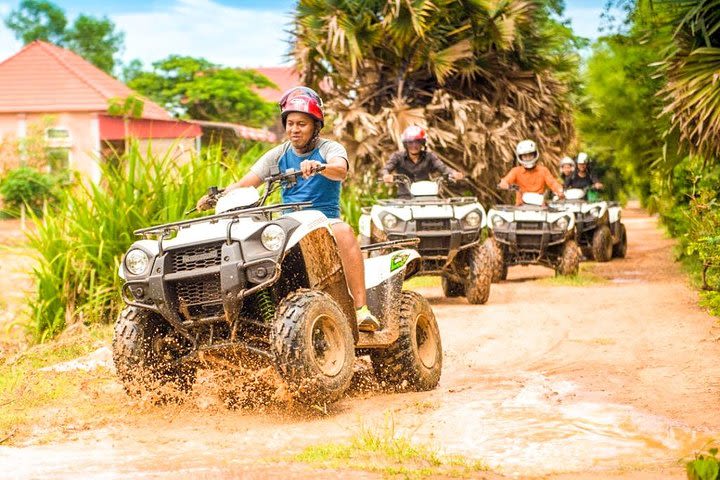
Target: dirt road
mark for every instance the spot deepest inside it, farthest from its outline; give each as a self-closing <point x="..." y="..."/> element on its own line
<point x="615" y="378"/>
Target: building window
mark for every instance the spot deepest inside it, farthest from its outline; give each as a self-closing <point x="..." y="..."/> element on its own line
<point x="58" y="137"/>
<point x="58" y="159"/>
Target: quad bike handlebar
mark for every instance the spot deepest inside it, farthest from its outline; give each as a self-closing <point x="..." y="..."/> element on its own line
<point x="289" y="177"/>
<point x="400" y="178"/>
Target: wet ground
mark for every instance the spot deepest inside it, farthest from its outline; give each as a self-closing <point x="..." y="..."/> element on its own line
<point x="617" y="378"/>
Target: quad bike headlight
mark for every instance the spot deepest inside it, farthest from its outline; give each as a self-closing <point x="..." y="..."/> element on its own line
<point x="273" y="237"/>
<point x="562" y="223"/>
<point x="137" y="261"/>
<point x="498" y="221"/>
<point x="389" y="221"/>
<point x="472" y="219"/>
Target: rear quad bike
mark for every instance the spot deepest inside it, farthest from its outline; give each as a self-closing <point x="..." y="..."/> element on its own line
<point x="600" y="232"/>
<point x="532" y="233"/>
<point x="449" y="230"/>
<point x="255" y="285"/>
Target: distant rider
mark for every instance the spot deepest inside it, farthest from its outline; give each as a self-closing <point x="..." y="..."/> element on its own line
<point x="302" y="117"/>
<point x="583" y="177"/>
<point x="567" y="168"/>
<point x="415" y="161"/>
<point x="529" y="176"/>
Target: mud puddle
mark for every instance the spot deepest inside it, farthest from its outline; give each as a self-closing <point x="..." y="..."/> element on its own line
<point x="549" y="426"/>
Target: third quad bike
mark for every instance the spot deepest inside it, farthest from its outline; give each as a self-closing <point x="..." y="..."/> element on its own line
<point x="255" y="285"/>
<point x="532" y="233"/>
<point x="449" y="231"/>
<point x="600" y="231"/>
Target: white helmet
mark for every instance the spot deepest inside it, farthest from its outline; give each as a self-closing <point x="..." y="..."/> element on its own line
<point x="524" y="147"/>
<point x="582" y="158"/>
<point x="567" y="161"/>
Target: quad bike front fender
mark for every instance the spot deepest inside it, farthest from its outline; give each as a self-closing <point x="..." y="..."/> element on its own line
<point x="384" y="277"/>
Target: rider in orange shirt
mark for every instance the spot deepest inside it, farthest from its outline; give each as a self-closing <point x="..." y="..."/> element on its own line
<point x="529" y="176"/>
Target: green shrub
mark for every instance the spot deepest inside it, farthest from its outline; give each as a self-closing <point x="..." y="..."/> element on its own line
<point x="358" y="192"/>
<point x="26" y="186"/>
<point x="705" y="466"/>
<point x="80" y="246"/>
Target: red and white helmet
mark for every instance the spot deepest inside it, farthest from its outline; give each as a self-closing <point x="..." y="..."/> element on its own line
<point x="413" y="133"/>
<point x="303" y="100"/>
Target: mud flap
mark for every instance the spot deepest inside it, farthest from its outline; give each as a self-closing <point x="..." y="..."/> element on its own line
<point x="325" y="271"/>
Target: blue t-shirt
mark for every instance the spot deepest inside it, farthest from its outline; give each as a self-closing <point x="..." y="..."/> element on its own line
<point x="318" y="189"/>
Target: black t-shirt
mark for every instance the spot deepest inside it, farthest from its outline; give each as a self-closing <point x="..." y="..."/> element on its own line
<point x="427" y="164"/>
<point x="576" y="181"/>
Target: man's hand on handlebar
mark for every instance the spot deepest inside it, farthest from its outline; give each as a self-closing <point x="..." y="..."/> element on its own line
<point x="457" y="175"/>
<point x="310" y="168"/>
<point x="388" y="178"/>
<point x="208" y="200"/>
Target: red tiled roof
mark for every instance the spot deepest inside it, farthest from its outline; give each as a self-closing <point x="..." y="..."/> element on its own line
<point x="45" y="78"/>
<point x="283" y="77"/>
<point x="248" y="133"/>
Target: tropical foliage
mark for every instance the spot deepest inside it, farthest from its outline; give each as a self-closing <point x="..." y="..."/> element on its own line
<point x="692" y="93"/>
<point x="94" y="39"/>
<point x="196" y="88"/>
<point x="476" y="74"/>
<point x="651" y="110"/>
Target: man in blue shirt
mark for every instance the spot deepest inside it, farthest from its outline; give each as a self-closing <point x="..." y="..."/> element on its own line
<point x="303" y="118"/>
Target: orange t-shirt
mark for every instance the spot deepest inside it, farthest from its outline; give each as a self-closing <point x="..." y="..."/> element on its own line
<point x="535" y="180"/>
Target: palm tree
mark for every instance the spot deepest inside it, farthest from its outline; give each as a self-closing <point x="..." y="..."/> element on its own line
<point x="692" y="69"/>
<point x="475" y="73"/>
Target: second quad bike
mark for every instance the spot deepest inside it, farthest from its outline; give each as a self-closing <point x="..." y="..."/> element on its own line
<point x="532" y="233"/>
<point x="601" y="234"/>
<point x="449" y="230"/>
<point x="255" y="285"/>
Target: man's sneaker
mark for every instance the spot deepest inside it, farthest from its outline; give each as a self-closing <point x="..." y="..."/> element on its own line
<point x="366" y="320"/>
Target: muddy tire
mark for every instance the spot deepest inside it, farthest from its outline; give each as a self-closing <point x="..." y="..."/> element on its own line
<point x="145" y="368"/>
<point x="569" y="260"/>
<point x="414" y="361"/>
<point x="481" y="264"/>
<point x="620" y="249"/>
<point x="602" y="244"/>
<point x="452" y="289"/>
<point x="313" y="346"/>
<point x="500" y="269"/>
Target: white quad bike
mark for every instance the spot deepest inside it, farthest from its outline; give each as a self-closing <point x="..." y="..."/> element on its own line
<point x="449" y="232"/>
<point x="255" y="285"/>
<point x="600" y="231"/>
<point x="532" y="233"/>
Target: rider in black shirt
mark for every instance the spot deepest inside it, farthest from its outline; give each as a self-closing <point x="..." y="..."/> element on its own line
<point x="415" y="161"/>
<point x="583" y="177"/>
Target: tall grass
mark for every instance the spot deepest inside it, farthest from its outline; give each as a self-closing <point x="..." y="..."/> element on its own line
<point x="80" y="246"/>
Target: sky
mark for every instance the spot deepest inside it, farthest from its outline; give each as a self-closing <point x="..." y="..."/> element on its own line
<point x="239" y="33"/>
